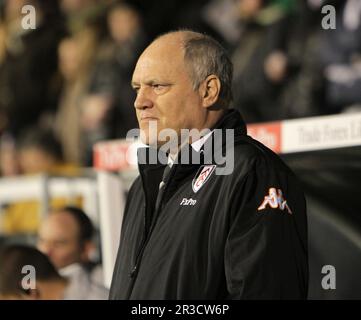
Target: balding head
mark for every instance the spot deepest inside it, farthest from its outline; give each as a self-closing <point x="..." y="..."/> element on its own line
<point x="65" y="236"/>
<point x="182" y="80"/>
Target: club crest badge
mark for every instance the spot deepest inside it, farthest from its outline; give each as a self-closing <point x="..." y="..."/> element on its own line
<point x="201" y="177"/>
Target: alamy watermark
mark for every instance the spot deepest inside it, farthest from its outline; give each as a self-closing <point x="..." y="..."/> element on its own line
<point x="329" y="20"/>
<point x="329" y="280"/>
<point x="28" y="282"/>
<point x="217" y="146"/>
<point x="29" y="19"/>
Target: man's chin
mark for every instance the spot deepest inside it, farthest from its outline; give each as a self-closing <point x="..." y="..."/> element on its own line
<point x="152" y="142"/>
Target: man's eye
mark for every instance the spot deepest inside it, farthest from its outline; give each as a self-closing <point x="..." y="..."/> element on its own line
<point x="159" y="87"/>
<point x="136" y="89"/>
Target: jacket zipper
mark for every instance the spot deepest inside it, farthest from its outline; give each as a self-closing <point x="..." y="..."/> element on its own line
<point x="134" y="272"/>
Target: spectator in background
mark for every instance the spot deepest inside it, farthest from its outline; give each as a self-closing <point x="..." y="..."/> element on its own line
<point x="28" y="64"/>
<point x="49" y="285"/>
<point x="97" y="95"/>
<point x="260" y="60"/>
<point x="86" y="104"/>
<point x="66" y="236"/>
<point x="76" y="57"/>
<point x="106" y="108"/>
<point x="38" y="151"/>
<point x="77" y="53"/>
<point x="301" y="93"/>
<point x="339" y="55"/>
<point x="278" y="73"/>
<point x="127" y="39"/>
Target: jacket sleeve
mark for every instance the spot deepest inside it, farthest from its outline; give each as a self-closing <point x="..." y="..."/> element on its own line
<point x="266" y="247"/>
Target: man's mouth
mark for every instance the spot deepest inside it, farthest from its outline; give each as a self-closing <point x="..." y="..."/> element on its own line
<point x="147" y="118"/>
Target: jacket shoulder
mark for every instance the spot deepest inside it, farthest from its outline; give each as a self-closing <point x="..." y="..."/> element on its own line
<point x="250" y="154"/>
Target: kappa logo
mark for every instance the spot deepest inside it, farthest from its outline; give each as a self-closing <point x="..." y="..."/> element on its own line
<point x="275" y="200"/>
<point x="201" y="178"/>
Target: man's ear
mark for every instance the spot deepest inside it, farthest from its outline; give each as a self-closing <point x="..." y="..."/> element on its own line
<point x="209" y="90"/>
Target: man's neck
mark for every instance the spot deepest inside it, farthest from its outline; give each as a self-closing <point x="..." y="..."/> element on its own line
<point x="196" y="145"/>
<point x="210" y="121"/>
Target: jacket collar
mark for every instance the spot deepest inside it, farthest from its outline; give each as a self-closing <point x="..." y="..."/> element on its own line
<point x="153" y="158"/>
<point x="152" y="161"/>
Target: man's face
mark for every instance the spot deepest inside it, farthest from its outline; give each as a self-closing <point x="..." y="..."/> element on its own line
<point x="164" y="91"/>
<point x="59" y="239"/>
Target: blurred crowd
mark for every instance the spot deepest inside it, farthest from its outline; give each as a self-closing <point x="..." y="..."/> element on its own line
<point x="70" y="75"/>
<point x="65" y="85"/>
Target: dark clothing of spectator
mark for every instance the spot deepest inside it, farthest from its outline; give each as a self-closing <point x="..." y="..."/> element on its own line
<point x="28" y="77"/>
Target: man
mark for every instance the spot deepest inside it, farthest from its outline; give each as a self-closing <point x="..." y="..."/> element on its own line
<point x="204" y="235"/>
<point x="66" y="238"/>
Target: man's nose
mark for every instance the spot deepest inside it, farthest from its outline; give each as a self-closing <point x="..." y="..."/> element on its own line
<point x="143" y="99"/>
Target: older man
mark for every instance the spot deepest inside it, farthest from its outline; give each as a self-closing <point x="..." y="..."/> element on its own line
<point x="190" y="232"/>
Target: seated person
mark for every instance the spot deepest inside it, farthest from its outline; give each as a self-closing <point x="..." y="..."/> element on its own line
<point x="65" y="236"/>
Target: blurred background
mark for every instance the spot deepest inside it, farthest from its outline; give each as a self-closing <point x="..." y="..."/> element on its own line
<point x="65" y="86"/>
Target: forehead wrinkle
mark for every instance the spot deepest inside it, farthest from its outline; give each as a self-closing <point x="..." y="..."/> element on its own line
<point x="163" y="60"/>
<point x="150" y="69"/>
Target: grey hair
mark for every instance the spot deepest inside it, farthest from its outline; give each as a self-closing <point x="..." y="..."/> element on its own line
<point x="205" y="56"/>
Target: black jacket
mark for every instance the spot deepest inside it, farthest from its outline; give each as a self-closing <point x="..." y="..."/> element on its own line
<point x="224" y="241"/>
